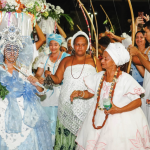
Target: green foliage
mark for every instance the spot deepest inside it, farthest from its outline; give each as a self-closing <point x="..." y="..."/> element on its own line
<point x="3" y="91"/>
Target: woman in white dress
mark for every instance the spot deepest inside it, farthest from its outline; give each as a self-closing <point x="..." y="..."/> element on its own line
<point x="115" y="121"/>
<point x="71" y="70"/>
<point x="23" y="122"/>
<point x="51" y="62"/>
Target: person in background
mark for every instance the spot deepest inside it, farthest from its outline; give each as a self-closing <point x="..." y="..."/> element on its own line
<point x="101" y="34"/>
<point x="142" y="45"/>
<point x="144" y="60"/>
<point x="51" y="63"/>
<point x="63" y="47"/>
<point x="103" y="43"/>
<point x="69" y="47"/>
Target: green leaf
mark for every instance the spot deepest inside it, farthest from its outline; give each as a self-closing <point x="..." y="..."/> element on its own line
<point x="105" y="22"/>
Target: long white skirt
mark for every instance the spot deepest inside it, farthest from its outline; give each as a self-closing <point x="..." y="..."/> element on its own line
<point x="123" y="131"/>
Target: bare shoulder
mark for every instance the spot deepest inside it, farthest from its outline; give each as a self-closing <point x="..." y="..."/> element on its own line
<point x="67" y="61"/>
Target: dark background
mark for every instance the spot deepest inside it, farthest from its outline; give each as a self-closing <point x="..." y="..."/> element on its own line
<point x="117" y="10"/>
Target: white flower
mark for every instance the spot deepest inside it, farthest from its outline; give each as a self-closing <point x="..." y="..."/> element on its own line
<point x="52" y="6"/>
<point x="61" y="10"/>
<point x="58" y="7"/>
<point x="30" y="5"/>
<point x="12" y="7"/>
<point x="48" y="4"/>
<point x="6" y="7"/>
<point x="57" y="11"/>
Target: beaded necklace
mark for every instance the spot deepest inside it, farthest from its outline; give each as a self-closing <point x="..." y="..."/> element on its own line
<point x="111" y="93"/>
<point x="81" y="70"/>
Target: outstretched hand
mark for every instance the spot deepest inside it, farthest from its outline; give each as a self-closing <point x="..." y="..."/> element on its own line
<point x="113" y="110"/>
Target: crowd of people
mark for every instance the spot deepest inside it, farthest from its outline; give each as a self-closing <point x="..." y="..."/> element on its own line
<point x="70" y="99"/>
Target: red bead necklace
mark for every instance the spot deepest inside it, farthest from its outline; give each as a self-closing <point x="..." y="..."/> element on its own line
<point x="98" y="98"/>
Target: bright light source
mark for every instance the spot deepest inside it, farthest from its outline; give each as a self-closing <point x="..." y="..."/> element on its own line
<point x="89" y="13"/>
<point x="95" y="13"/>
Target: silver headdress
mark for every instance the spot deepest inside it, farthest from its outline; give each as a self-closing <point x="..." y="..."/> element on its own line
<point x="12" y="36"/>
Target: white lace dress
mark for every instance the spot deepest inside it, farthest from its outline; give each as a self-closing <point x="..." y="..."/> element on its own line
<point x="122" y="131"/>
<point x="72" y="115"/>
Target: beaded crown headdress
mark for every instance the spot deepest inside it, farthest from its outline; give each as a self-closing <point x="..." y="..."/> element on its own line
<point x="12" y="35"/>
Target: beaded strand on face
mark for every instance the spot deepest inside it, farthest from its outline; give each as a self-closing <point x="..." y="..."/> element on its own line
<point x="111" y="93"/>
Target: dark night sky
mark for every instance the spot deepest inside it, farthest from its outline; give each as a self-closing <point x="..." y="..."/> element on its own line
<point x="122" y="10"/>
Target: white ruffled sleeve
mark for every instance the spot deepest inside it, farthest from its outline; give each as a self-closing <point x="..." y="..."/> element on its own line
<point x="133" y="89"/>
<point x="91" y="81"/>
<point x="42" y="61"/>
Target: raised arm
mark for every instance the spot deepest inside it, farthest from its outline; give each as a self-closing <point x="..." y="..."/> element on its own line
<point x="41" y="37"/>
<point x="141" y="70"/>
<point x="61" y="31"/>
<point x="58" y="77"/>
<point x="142" y="57"/>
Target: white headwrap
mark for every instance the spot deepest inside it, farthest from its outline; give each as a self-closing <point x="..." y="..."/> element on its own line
<point x="64" y="44"/>
<point x="77" y="34"/>
<point x="70" y="38"/>
<point x="118" y="53"/>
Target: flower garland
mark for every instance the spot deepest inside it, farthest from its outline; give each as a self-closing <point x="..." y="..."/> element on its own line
<point x="3" y="91"/>
<point x="111" y="93"/>
<point x="39" y="8"/>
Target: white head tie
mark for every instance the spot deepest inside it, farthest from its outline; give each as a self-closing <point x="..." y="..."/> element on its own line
<point x="64" y="44"/>
<point x="118" y="53"/>
<point x="77" y="34"/>
<point x="70" y="38"/>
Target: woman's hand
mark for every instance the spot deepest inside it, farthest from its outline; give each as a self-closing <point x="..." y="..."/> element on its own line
<point x="32" y="80"/>
<point x="146" y="17"/>
<point x="41" y="80"/>
<point x="47" y="73"/>
<point x="113" y="110"/>
<point x="133" y="50"/>
<point x="76" y="94"/>
<point x="139" y="20"/>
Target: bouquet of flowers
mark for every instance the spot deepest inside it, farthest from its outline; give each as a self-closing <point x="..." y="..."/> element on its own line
<point x="39" y="8"/>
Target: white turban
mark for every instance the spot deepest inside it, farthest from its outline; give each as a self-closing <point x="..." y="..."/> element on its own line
<point x="77" y="34"/>
<point x="118" y="53"/>
<point x="70" y="38"/>
<point x="64" y="44"/>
